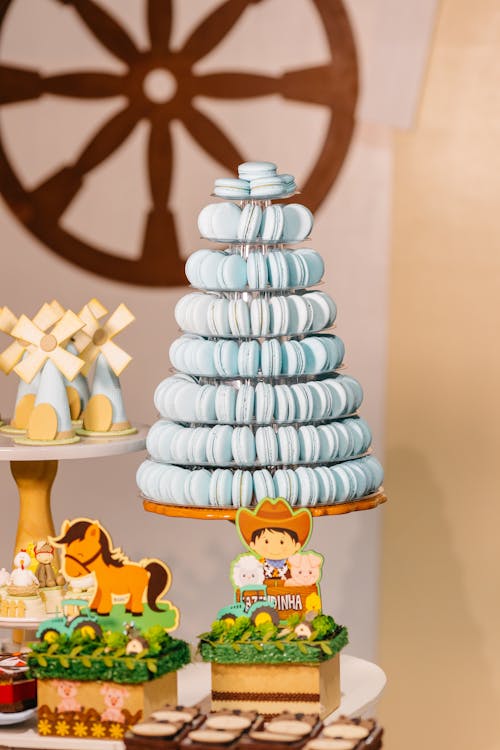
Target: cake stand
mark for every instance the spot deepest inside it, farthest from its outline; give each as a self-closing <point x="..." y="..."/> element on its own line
<point x="229" y="513"/>
<point x="34" y="468"/>
<point x="362" y="685"/>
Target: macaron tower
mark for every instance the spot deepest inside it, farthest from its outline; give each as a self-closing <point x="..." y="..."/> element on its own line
<point x="259" y="405"/>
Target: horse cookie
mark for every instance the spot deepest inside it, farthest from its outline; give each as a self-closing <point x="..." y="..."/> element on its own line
<point x="88" y="549"/>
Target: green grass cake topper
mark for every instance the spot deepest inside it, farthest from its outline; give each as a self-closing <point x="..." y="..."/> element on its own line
<point x="277" y="577"/>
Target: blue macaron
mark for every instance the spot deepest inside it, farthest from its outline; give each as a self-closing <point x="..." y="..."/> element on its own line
<point x="257" y="271"/>
<point x="221" y="488"/>
<point x="225" y="358"/>
<point x="248" y="359"/>
<point x="219" y="445"/>
<point x="242" y="488"/>
<point x="253" y="170"/>
<point x="267" y="187"/>
<point x="243" y="446"/>
<point x="235" y="189"/>
<point x="245" y="401"/>
<point x="271" y="358"/>
<point x="272" y="223"/>
<point x="266" y="444"/>
<point x="263" y="484"/>
<point x="298" y="221"/>
<point x="249" y="222"/>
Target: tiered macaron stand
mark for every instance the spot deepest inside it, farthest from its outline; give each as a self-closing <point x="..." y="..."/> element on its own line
<point x="362" y="681"/>
<point x="154" y="504"/>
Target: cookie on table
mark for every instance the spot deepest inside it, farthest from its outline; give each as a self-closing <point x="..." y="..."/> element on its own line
<point x="220" y="729"/>
<point x="164" y="729"/>
<point x="286" y="730"/>
<point x="348" y="734"/>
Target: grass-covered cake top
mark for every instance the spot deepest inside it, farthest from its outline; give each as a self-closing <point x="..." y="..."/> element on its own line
<point x="113" y="656"/>
<point x="301" y="639"/>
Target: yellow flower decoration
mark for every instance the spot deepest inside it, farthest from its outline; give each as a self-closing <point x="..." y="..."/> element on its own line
<point x="62" y="728"/>
<point x="116" y="731"/>
<point x="79" y="729"/>
<point x="313" y="601"/>
<point x="44" y="726"/>
<point x="98" y="730"/>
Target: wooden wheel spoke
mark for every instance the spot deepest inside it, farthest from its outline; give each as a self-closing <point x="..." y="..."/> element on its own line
<point x="19" y="84"/>
<point x="160" y="246"/>
<point x="236" y="85"/>
<point x="56" y="193"/>
<point x="324" y="173"/>
<point x="211" y="138"/>
<point x="105" y="29"/>
<point x="159" y="19"/>
<point x="160" y="158"/>
<point x="84" y="85"/>
<point x="212" y="29"/>
<point x="325" y="84"/>
<point x="110" y="136"/>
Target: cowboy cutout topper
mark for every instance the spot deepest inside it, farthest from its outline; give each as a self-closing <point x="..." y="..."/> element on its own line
<point x="277" y="577"/>
<point x="125" y="591"/>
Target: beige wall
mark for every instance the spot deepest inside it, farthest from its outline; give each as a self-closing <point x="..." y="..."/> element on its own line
<point x="441" y="595"/>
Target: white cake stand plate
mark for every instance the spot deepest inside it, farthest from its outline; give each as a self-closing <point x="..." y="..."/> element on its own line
<point x="362" y="683"/>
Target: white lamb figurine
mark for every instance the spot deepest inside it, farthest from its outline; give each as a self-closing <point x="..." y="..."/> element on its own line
<point x="247" y="571"/>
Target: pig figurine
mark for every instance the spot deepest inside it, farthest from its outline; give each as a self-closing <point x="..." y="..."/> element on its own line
<point x="305" y="569"/>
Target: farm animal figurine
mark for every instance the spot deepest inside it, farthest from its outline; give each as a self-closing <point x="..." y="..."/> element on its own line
<point x="247" y="571"/>
<point x="22" y="579"/>
<point x="67" y="690"/>
<point x="88" y="548"/>
<point x="305" y="569"/>
<point x="114" y="699"/>
<point x="81" y="584"/>
<point x="45" y="573"/>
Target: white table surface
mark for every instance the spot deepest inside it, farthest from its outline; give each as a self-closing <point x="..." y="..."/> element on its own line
<point x="362" y="683"/>
<point x="87" y="447"/>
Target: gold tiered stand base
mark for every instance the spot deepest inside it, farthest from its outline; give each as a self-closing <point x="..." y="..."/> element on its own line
<point x="229" y="514"/>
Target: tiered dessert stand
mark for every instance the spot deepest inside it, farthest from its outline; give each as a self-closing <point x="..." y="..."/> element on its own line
<point x="34" y="469"/>
<point x="176" y="509"/>
<point x="362" y="682"/>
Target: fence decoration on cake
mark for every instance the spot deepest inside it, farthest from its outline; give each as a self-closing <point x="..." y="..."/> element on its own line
<point x="332" y="85"/>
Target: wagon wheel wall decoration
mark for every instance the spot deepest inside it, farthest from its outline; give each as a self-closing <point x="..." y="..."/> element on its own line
<point x="333" y="85"/>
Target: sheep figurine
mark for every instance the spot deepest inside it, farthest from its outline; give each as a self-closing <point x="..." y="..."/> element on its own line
<point x="247" y="571"/>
